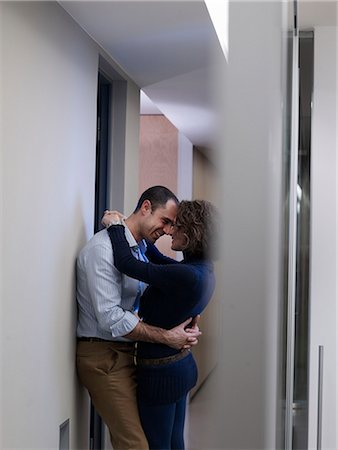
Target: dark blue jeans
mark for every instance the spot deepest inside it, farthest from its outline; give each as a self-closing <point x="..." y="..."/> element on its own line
<point x="163" y="425"/>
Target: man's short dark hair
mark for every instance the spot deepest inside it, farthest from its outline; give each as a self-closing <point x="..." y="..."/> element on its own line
<point x="158" y="197"/>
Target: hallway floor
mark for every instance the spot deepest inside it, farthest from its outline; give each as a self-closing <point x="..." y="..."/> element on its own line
<point x="204" y="426"/>
<point x="203" y="434"/>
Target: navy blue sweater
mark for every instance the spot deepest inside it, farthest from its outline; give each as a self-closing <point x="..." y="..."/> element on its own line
<point x="176" y="291"/>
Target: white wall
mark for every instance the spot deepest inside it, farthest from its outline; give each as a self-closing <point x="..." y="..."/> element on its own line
<point x="132" y="149"/>
<point x="48" y="103"/>
<point x="323" y="323"/>
<point x="245" y="391"/>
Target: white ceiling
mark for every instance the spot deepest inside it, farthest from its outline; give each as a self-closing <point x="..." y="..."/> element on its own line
<point x="169" y="48"/>
<point x="166" y="47"/>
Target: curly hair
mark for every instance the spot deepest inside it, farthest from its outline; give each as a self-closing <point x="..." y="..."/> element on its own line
<point x="197" y="219"/>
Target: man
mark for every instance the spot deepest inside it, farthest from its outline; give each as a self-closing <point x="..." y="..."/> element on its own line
<point x="108" y="325"/>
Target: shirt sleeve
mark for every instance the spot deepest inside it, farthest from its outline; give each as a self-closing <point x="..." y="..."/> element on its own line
<point x="105" y="288"/>
<point x="165" y="277"/>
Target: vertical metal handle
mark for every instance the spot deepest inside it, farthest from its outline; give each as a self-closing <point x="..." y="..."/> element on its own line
<point x="320" y="397"/>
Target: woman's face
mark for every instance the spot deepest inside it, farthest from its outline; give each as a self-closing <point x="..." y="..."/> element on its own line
<point x="179" y="239"/>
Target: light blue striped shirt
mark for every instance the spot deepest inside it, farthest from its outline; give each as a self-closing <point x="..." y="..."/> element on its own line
<point x="105" y="296"/>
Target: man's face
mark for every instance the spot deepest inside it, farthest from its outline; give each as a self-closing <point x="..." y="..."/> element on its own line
<point x="158" y="222"/>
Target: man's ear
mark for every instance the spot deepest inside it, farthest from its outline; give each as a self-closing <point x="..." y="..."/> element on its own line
<point x="146" y="207"/>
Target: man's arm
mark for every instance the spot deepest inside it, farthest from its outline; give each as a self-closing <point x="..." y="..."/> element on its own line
<point x="105" y="289"/>
<point x="104" y="286"/>
<point x="178" y="337"/>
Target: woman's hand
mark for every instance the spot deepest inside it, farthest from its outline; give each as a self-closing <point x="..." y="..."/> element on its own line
<point x="112" y="218"/>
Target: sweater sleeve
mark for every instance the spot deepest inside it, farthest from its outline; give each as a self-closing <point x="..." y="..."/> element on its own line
<point x="155" y="256"/>
<point x="165" y="277"/>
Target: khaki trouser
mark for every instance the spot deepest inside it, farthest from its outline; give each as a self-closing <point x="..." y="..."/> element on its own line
<point x="107" y="371"/>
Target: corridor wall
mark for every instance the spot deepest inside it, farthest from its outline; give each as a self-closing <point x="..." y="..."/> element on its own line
<point x="158" y="152"/>
<point x="49" y="69"/>
<point x="165" y="158"/>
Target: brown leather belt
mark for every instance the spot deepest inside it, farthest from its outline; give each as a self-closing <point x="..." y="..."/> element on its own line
<point x="95" y="339"/>
<point x="161" y="361"/>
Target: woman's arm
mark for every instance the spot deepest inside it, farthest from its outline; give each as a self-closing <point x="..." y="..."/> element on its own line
<point x="155" y="256"/>
<point x="165" y="277"/>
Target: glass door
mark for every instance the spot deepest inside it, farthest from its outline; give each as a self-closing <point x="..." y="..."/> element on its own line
<point x="297" y="153"/>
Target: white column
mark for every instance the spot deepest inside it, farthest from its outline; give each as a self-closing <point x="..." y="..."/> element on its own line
<point x="323" y="273"/>
<point x="245" y="395"/>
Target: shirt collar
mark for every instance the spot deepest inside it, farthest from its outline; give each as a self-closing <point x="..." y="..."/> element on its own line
<point x="130" y="238"/>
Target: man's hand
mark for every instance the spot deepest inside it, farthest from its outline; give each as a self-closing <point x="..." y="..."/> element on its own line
<point x="194" y="323"/>
<point x="110" y="217"/>
<point x="182" y="336"/>
<point x="192" y="328"/>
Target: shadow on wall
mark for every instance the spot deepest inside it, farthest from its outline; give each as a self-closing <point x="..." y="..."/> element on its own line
<point x="66" y="321"/>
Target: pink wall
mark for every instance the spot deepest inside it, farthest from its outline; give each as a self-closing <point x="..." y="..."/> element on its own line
<point x="158" y="160"/>
<point x="158" y="153"/>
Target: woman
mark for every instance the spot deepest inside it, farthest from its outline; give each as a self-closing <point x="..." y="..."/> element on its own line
<point x="176" y="290"/>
